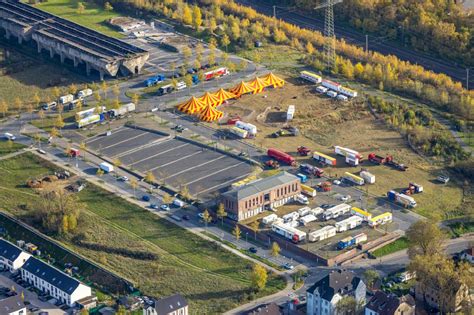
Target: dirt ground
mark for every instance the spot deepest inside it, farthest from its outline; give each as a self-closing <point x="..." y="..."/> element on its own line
<point x="324" y="123"/>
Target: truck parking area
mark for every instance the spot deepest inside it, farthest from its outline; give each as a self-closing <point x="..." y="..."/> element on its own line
<point x="176" y="162"/>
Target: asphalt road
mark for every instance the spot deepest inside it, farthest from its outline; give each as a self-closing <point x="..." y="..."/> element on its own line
<point x="355" y="37"/>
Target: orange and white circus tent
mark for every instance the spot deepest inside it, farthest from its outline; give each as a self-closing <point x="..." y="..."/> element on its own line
<point x="223" y="95"/>
<point x="209" y="99"/>
<point x="193" y="105"/>
<point x="209" y="113"/>
<point x="242" y="88"/>
<point x="257" y="84"/>
<point x="272" y="80"/>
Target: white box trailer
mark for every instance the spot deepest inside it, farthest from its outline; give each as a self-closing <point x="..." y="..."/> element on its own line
<point x="290" y="113"/>
<point x="369" y="178"/>
<point x="84" y="93"/>
<point x="252" y="129"/>
<point x="66" y="99"/>
<point x="106" y="167"/>
<point x="289" y="232"/>
<point x="308" y="219"/>
<point x="348" y="224"/>
<point x="304" y="211"/>
<point x="322" y="234"/>
<point x="336" y="211"/>
<point x="354" y="178"/>
<point x="291" y="216"/>
<point x="331" y="85"/>
<point x="241" y="133"/>
<point x="317" y="211"/>
<point x="348" y="92"/>
<point x="89" y="120"/>
<point x="346" y="151"/>
<point x="269" y="218"/>
<point x="124" y="109"/>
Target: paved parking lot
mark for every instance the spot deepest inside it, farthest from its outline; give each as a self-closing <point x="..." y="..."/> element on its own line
<point x="176" y="162"/>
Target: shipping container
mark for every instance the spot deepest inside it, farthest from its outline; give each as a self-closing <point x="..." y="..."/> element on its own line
<point x="369" y="178"/>
<point x="269" y="218"/>
<point x="289" y="232"/>
<point x="322" y="234"/>
<point x="382" y="219"/>
<point x="365" y="215"/>
<point x="281" y="156"/>
<point x="336" y="211"/>
<point x="307" y="219"/>
<point x="354" y="179"/>
<point x="348" y="224"/>
<point x="311" y="77"/>
<point x="308" y="191"/>
<point x="324" y="159"/>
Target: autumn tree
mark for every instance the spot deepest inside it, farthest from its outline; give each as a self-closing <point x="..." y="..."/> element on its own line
<point x="187" y="15"/>
<point x="117" y="162"/>
<point x="54" y="132"/>
<point x="275" y="250"/>
<point x="99" y="172"/>
<point x="424" y="238"/>
<point x="346" y="305"/>
<point x="59" y="122"/>
<point x="371" y="276"/>
<point x="221" y="213"/>
<point x="167" y="198"/>
<point x="80" y="8"/>
<point x="18" y="104"/>
<point x="197" y="17"/>
<point x="36" y="100"/>
<point x="116" y="90"/>
<point x="3" y="108"/>
<point x="206" y="217"/>
<point x="188" y="80"/>
<point x="254" y="227"/>
<point x="236" y="232"/>
<point x="149" y="177"/>
<point x="258" y="277"/>
<point x="108" y="7"/>
<point x="134" y="185"/>
<point x="225" y="41"/>
<point x="135" y="98"/>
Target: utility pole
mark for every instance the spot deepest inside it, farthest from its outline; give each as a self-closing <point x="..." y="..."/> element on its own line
<point x="366" y="44"/>
<point x="330" y="38"/>
<point x="274" y="11"/>
<point x="467" y="79"/>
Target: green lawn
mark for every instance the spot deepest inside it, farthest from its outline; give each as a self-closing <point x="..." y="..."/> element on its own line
<point x="7" y="147"/>
<point x="49" y="122"/>
<point x="460" y="228"/>
<point x="399" y="244"/>
<point x="93" y="17"/>
<point x="212" y="279"/>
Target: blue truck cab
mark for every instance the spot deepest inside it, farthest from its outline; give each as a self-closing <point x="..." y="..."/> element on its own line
<point x="154" y="80"/>
<point x="303" y="178"/>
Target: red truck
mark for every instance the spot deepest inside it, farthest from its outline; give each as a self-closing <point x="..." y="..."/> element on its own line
<point x="74" y="152"/>
<point x="303" y="151"/>
<point x="388" y="160"/>
<point x="377" y="159"/>
<point x="281" y="156"/>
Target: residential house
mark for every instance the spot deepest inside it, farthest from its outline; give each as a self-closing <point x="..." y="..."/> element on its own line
<point x="450" y="302"/>
<point x="266" y="309"/>
<point x="130" y="303"/>
<point x="12" y="305"/>
<point x="56" y="283"/>
<point x="172" y="305"/>
<point x="11" y="256"/>
<point x="468" y="255"/>
<point x="323" y="296"/>
<point x="263" y="194"/>
<point x="389" y="304"/>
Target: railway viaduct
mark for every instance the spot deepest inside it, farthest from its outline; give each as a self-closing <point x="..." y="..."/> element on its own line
<point x="69" y="40"/>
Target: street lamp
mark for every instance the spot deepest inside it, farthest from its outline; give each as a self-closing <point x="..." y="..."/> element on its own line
<point x="246" y="235"/>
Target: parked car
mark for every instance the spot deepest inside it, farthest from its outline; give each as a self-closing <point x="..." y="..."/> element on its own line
<point x="186" y="217"/>
<point x="288" y="266"/>
<point x="346" y="198"/>
<point x="336" y="182"/>
<point x="146" y="198"/>
<point x="253" y="250"/>
<point x="443" y="179"/>
<point x="123" y="178"/>
<point x="165" y="207"/>
<point x="154" y="206"/>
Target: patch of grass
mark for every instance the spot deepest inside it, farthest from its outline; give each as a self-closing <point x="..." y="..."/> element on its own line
<point x="399" y="244"/>
<point x="49" y="122"/>
<point x="7" y="147"/>
<point x="459" y="228"/>
<point x="94" y="17"/>
<point x="280" y="58"/>
<point x="212" y="279"/>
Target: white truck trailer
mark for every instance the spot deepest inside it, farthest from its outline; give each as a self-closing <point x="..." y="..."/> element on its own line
<point x="354" y="178"/>
<point x="369" y="178"/>
<point x="307" y="219"/>
<point x="251" y="129"/>
<point x="241" y="133"/>
<point x="123" y="110"/>
<point x="106" y="167"/>
<point x="348" y="224"/>
<point x="322" y="234"/>
<point x="289" y="232"/>
<point x="336" y="211"/>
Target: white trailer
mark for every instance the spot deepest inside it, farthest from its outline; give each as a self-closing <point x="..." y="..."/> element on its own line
<point x="89" y="120"/>
<point x="354" y="178"/>
<point x="290" y="112"/>
<point x="124" y="109"/>
<point x="346" y="151"/>
<point x="289" y="232"/>
<point x="66" y="99"/>
<point x="252" y="129"/>
<point x="369" y="178"/>
<point x="348" y="224"/>
<point x="89" y="112"/>
<point x="347" y="91"/>
<point x="317" y="211"/>
<point x="331" y="85"/>
<point x="291" y="216"/>
<point x="331" y="94"/>
<point x="241" y="133"/>
<point x="84" y="93"/>
<point x="304" y="211"/>
<point x="310" y="76"/>
<point x="341" y="97"/>
<point x="302" y="199"/>
<point x="106" y="167"/>
<point x="269" y="218"/>
<point x="307" y="219"/>
<point x="321" y="89"/>
<point x="322" y="234"/>
<point x="336" y="211"/>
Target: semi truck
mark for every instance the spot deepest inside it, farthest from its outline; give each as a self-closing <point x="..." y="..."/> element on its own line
<point x="382" y="219"/>
<point x="336" y="211"/>
<point x="281" y="156"/>
<point x="154" y="80"/>
<point x="308" y="191"/>
<point x="122" y="110"/>
<point x="89" y="120"/>
<point x="303" y="151"/>
<point x="324" y="159"/>
<point x="401" y="199"/>
<point x="348" y="224"/>
<point x="388" y="160"/>
<point x="251" y="129"/>
<point x="241" y="133"/>
<point x="89" y="112"/>
<point x="311" y="170"/>
<point x="311" y="77"/>
<point x="354" y="178"/>
<point x="106" y="167"/>
<point x="216" y="73"/>
<point x="365" y="215"/>
<point x="289" y="232"/>
<point x="351" y="241"/>
<point x="369" y="178"/>
<point x="322" y="234"/>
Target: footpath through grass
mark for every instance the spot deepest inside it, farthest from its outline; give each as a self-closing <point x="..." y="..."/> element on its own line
<point x="7" y="147"/>
<point x="93" y="17"/>
<point x="156" y="255"/>
<point x="399" y="244"/>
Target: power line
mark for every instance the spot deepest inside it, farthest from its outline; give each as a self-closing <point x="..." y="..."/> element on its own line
<point x="330" y="38"/>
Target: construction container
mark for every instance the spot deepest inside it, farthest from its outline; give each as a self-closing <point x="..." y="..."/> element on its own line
<point x="382" y="219"/>
<point x="322" y="234"/>
<point x="269" y="218"/>
<point x="366" y="216"/>
<point x="336" y="211"/>
<point x="307" y="219"/>
<point x="348" y="224"/>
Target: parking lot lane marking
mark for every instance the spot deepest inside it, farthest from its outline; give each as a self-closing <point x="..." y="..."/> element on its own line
<point x="145" y="146"/>
<point x="196" y="166"/>
<point x="98" y="137"/>
<point x="150" y="157"/>
<point x="223" y="184"/>
<point x="174" y="161"/>
<point x="117" y="143"/>
<point x="219" y="171"/>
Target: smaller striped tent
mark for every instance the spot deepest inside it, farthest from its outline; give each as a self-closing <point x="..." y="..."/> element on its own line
<point x="209" y="113"/>
<point x="209" y="99"/>
<point x="241" y="89"/>
<point x="193" y="105"/>
<point x="272" y="80"/>
<point x="257" y="84"/>
<point x="223" y="95"/>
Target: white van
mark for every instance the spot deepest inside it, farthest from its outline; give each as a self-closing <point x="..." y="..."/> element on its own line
<point x="321" y="89"/>
<point x="331" y="94"/>
<point x="50" y="105"/>
<point x="9" y="136"/>
<point x="181" y="85"/>
<point x="341" y="97"/>
<point x="178" y="203"/>
<point x="84" y="93"/>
